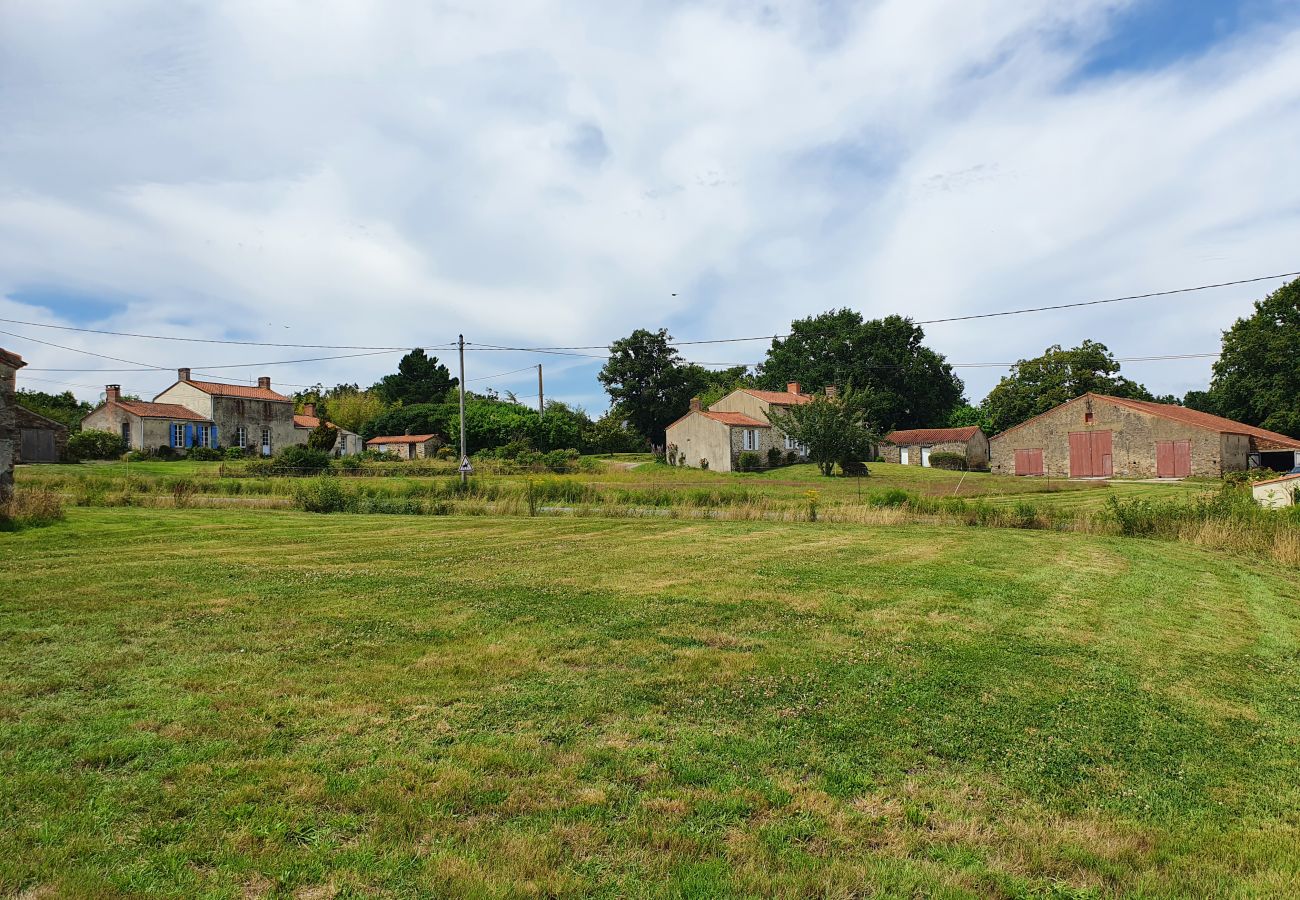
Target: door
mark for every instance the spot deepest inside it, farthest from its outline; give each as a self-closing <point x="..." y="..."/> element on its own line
<point x="1173" y="459"/>
<point x="1090" y="454"/>
<point x="925" y="456"/>
<point x="38" y="445"/>
<point x="1029" y="462"/>
<point x="902" y="455"/>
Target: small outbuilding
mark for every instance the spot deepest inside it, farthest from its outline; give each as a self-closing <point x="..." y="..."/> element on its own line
<point x="1099" y="436"/>
<point x="406" y="446"/>
<point x="1277" y="492"/>
<point x="913" y="446"/>
<point x="40" y="440"/>
<point x="348" y="443"/>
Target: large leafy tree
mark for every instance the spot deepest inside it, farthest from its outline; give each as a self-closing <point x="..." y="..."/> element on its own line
<point x="1257" y="376"/>
<point x="712" y="385"/>
<point x="834" y="429"/>
<point x="62" y="407"/>
<point x="648" y="382"/>
<point x="904" y="383"/>
<point x="1036" y="385"/>
<point x="420" y="378"/>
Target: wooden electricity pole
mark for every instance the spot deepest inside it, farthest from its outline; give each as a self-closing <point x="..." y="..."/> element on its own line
<point x="541" y="402"/>
<point x="464" y="460"/>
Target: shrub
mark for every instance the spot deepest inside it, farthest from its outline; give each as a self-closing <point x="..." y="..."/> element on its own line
<point x="704" y="463"/>
<point x="183" y="491"/>
<point x="95" y="445"/>
<point x="350" y="463"/>
<point x="945" y="459"/>
<point x="138" y="455"/>
<point x="235" y="453"/>
<point x="791" y="457"/>
<point x="302" y="460"/>
<point x="206" y="454"/>
<point x="670" y="454"/>
<point x="166" y="451"/>
<point x="443" y="452"/>
<point x="321" y="495"/>
<point x="749" y="461"/>
<point x="773" y="457"/>
<point x="1250" y="476"/>
<point x="853" y="468"/>
<point x="30" y="508"/>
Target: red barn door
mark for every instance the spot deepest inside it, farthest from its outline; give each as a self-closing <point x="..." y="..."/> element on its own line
<point x="1029" y="462"/>
<point x="1173" y="459"/>
<point x="1090" y="454"/>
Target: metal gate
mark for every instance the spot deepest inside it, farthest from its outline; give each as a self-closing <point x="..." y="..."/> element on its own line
<point x="1173" y="459"/>
<point x="1090" y="454"/>
<point x="37" y="445"/>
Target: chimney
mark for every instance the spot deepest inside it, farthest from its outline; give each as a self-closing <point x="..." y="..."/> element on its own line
<point x="695" y="404"/>
<point x="262" y="382"/>
<point x="182" y="374"/>
<point x="792" y="387"/>
<point x="407" y="431"/>
<point x="112" y="393"/>
<point x="832" y="392"/>
<point x="309" y="410"/>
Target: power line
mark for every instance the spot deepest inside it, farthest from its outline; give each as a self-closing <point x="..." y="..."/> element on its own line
<point x="502" y="374"/>
<point x="277" y="362"/>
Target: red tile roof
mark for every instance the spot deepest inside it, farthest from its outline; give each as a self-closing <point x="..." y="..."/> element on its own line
<point x="1264" y="439"/>
<point x="248" y="392"/>
<point x="11" y="359"/>
<point x="401" y="439"/>
<point x="309" y="422"/>
<point x="735" y="418"/>
<point x="1287" y="477"/>
<point x="160" y="410"/>
<point x="779" y="398"/>
<point x="931" y="435"/>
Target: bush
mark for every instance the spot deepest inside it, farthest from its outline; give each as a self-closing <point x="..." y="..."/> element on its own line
<point x="853" y="468"/>
<point x="95" y="445"/>
<point x="30" y="508"/>
<point x="773" y="457"/>
<point x="138" y="455"/>
<point x="302" y="460"/>
<point x="749" y="461"/>
<point x="704" y="463"/>
<point x="206" y="454"/>
<point x="322" y="495"/>
<point x="791" y="457"/>
<point x="944" y="459"/>
<point x="235" y="453"/>
<point x="1250" y="476"/>
<point x="166" y="452"/>
<point x="350" y="463"/>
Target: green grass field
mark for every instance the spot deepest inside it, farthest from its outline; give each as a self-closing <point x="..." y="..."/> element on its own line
<point x="240" y="704"/>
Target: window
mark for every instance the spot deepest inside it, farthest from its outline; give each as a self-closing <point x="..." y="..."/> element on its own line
<point x="200" y="435"/>
<point x="178" y="434"/>
<point x="241" y="437"/>
<point x="749" y="438"/>
<point x="126" y="434"/>
<point x="789" y="443"/>
<point x="266" y="442"/>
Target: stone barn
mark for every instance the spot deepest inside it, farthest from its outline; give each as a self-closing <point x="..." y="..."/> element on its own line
<point x="913" y="446"/>
<point x="40" y="440"/>
<point x="10" y="363"/>
<point x="1099" y="436"/>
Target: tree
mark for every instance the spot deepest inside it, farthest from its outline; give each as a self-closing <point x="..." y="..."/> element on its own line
<point x="1202" y="401"/>
<point x="711" y="386"/>
<point x="352" y="409"/>
<point x="966" y="414"/>
<point x="63" y="407"/>
<point x="420" y="378"/>
<point x="1036" y="385"/>
<point x="905" y="383"/>
<point x="647" y="382"/>
<point x="323" y="437"/>
<point x="1257" y="376"/>
<point x="834" y="429"/>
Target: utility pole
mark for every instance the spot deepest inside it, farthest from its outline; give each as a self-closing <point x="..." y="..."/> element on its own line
<point x="464" y="475"/>
<point x="541" y="402"/>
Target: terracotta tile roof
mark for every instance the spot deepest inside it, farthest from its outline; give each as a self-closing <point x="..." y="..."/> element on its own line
<point x="1264" y="439"/>
<point x="309" y="422"/>
<point x="160" y="410"/>
<point x="931" y="435"/>
<point x="1290" y="476"/>
<point x="779" y="398"/>
<point x="11" y="359"/>
<point x="401" y="439"/>
<point x="248" y="392"/>
<point x="735" y="418"/>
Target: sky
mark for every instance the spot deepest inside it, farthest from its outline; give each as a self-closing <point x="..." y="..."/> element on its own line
<point x="538" y="174"/>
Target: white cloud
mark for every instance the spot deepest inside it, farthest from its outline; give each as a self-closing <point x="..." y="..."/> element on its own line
<point x="537" y="173"/>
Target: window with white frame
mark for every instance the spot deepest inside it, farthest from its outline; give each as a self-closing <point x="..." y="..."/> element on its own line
<point x="241" y="437"/>
<point x="200" y="435"/>
<point x="266" y="442"/>
<point x="178" y="434"/>
<point x="749" y="438"/>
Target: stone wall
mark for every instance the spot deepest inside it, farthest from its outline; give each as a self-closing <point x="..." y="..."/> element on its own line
<point x="1133" y="441"/>
<point x="767" y="438"/>
<point x="698" y="437"/>
<point x="8" y="432"/>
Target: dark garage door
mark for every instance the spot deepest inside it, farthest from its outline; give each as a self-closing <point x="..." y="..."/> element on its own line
<point x="37" y="445"/>
<point x="1090" y="454"/>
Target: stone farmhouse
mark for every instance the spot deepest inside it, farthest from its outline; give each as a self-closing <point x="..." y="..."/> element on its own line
<point x="714" y="438"/>
<point x="10" y="363"/>
<point x="1099" y="436"/>
<point x="913" y="446"/>
<point x="349" y="443"/>
<point x="194" y="413"/>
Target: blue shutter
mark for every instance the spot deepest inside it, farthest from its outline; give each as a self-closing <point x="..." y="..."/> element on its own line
<point x="171" y="434"/>
<point x="212" y="436"/>
<point x="189" y="435"/>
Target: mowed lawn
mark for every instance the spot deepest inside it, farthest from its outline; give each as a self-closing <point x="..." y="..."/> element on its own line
<point x="241" y="704"/>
